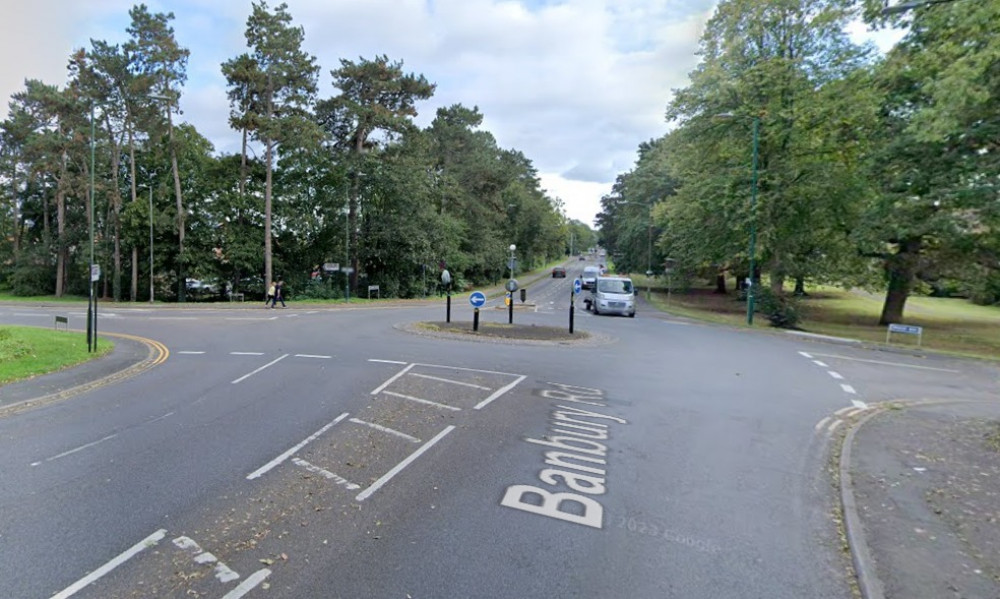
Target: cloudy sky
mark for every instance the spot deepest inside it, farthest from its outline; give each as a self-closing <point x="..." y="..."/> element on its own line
<point x="576" y="85"/>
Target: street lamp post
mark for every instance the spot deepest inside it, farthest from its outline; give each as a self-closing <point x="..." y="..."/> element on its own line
<point x="92" y="302"/>
<point x="753" y="219"/>
<point x="510" y="286"/>
<point x="753" y="212"/>
<point x="151" y="242"/>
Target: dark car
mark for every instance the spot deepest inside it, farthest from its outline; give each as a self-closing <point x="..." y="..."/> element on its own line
<point x="558" y="273"/>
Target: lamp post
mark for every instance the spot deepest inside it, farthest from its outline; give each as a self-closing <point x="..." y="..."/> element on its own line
<point x="510" y="286"/>
<point x="92" y="301"/>
<point x="753" y="211"/>
<point x="151" y="242"/>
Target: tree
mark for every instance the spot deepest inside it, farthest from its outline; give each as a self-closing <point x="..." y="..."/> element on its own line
<point x="375" y="98"/>
<point x="161" y="65"/>
<point x="272" y="90"/>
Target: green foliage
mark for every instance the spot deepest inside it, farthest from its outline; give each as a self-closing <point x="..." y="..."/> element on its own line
<point x="781" y="311"/>
<point x="29" y="351"/>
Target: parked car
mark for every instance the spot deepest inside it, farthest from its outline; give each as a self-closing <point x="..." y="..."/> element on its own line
<point x="612" y="295"/>
<point x="589" y="278"/>
<point x="558" y="273"/>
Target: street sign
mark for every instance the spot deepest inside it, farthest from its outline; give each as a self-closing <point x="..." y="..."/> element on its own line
<point x="95" y="272"/>
<point x="511" y="285"/>
<point x="331" y="267"/>
<point x="477" y="299"/>
<point x="446" y="277"/>
<point x="907" y="329"/>
<point x="577" y="286"/>
<point x="347" y="269"/>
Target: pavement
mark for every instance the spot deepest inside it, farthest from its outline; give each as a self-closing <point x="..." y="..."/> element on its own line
<point x="919" y="482"/>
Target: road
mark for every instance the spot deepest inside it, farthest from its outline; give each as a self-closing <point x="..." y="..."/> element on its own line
<point x="334" y="453"/>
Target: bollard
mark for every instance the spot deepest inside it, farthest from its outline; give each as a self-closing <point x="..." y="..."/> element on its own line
<point x="524" y="294"/>
<point x="475" y="319"/>
<point x="510" y="309"/>
<point x="447" y="314"/>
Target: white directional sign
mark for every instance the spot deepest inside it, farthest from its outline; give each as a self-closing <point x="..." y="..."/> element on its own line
<point x="477" y="299"/>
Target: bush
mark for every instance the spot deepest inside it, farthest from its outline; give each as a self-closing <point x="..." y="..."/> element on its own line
<point x="781" y="311"/>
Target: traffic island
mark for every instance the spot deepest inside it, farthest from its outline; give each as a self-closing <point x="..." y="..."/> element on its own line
<point x="502" y="332"/>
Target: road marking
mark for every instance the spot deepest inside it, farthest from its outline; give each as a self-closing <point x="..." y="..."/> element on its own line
<point x="859" y="404"/>
<point x="400" y="466"/>
<point x="281" y="458"/>
<point x="848" y="389"/>
<point x="246" y="353"/>
<point x="313" y="356"/>
<point x="128" y="554"/>
<point x="222" y="572"/>
<point x="191" y="353"/>
<point x="444" y="380"/>
<point x="159" y="418"/>
<point x="820" y="364"/>
<point x="325" y="474"/>
<point x="386" y="361"/>
<point x="392" y="379"/>
<point x="386" y="429"/>
<point x="248" y="585"/>
<point x="72" y="451"/>
<point x="899" y="364"/>
<point x="835" y="375"/>
<point x="498" y="393"/>
<point x="248" y="375"/>
<point x="423" y="401"/>
<point x="805" y="355"/>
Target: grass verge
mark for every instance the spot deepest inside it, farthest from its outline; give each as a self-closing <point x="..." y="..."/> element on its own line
<point x="26" y="352"/>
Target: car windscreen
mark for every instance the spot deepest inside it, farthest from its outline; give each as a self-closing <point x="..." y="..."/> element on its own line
<point x="614" y="286"/>
<point x="590" y="272"/>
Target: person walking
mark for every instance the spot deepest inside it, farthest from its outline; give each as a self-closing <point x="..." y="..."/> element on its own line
<point x="270" y="295"/>
<point x="279" y="295"/>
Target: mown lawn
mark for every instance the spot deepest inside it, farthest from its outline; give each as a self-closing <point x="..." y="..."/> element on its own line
<point x="949" y="324"/>
<point x="29" y="351"/>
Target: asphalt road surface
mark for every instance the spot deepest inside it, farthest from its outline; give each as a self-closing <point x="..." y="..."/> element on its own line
<point x="300" y="452"/>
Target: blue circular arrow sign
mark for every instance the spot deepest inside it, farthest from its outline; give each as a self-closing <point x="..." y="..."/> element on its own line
<point x="577" y="286"/>
<point x="477" y="299"/>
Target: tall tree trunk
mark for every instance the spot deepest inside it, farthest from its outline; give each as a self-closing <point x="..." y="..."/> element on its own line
<point x="268" y="273"/>
<point x="901" y="268"/>
<point x="800" y="286"/>
<point x="60" y="241"/>
<point x="720" y="283"/>
<point x="181" y="281"/>
<point x="135" y="273"/>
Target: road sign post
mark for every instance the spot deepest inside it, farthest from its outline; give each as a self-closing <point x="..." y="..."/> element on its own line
<point x="511" y="287"/>
<point x="477" y="299"/>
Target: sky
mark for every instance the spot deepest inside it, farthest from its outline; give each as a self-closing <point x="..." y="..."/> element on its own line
<point x="575" y="85"/>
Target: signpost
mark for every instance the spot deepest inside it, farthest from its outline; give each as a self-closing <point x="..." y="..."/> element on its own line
<point x="477" y="299"/>
<point x="511" y="287"/>
<point x="577" y="286"/>
<point x="905" y="329"/>
<point x="446" y="281"/>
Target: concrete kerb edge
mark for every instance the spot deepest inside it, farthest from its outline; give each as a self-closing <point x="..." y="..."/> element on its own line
<point x="864" y="564"/>
<point x="156" y="354"/>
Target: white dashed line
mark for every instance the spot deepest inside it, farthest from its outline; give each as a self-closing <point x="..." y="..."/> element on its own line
<point x="820" y="364"/>
<point x="246" y="353"/>
<point x="386" y="361"/>
<point x="848" y="389"/>
<point x="805" y="355"/>
<point x="835" y="375"/>
<point x="859" y="404"/>
<point x="313" y="356"/>
<point x="72" y="451"/>
<point x="191" y="353"/>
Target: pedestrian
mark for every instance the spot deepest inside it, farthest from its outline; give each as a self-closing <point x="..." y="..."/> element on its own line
<point x="278" y="295"/>
<point x="270" y="294"/>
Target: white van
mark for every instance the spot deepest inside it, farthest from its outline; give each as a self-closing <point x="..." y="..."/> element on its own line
<point x="612" y="295"/>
